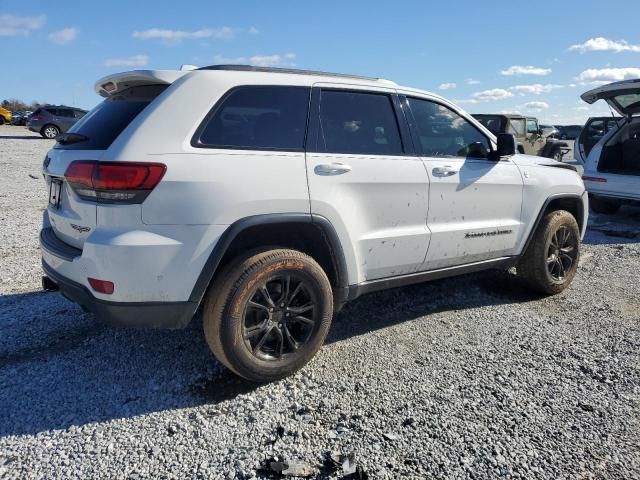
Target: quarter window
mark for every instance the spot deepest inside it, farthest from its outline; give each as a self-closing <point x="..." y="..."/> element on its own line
<point x="264" y="117"/>
<point x="516" y="127"/>
<point x="444" y="133"/>
<point x="358" y="123"/>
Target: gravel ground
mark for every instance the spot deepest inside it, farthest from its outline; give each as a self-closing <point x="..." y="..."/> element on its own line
<point x="463" y="378"/>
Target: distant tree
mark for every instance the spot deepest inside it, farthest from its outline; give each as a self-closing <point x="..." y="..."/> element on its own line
<point x="15" y="105"/>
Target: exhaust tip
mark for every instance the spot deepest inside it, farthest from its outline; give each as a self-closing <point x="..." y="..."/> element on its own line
<point x="49" y="285"/>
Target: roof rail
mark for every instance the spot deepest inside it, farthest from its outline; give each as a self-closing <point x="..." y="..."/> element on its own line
<point x="251" y="68"/>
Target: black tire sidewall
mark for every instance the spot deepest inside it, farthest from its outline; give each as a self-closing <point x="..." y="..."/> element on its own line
<point x="237" y="355"/>
<point x="553" y="227"/>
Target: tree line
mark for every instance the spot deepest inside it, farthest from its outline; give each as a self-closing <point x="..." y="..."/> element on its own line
<point x="15" y="105"/>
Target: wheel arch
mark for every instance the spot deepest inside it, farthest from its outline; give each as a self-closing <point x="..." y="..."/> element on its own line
<point x="570" y="202"/>
<point x="552" y="146"/>
<point x="311" y="234"/>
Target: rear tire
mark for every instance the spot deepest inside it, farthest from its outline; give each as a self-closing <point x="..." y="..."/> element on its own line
<point x="268" y="313"/>
<point x="604" y="206"/>
<point x="551" y="260"/>
<point x="1" y="120"/>
<point x="50" y="131"/>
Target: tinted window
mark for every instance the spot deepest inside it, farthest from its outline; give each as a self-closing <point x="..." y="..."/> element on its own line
<point x="492" y="123"/>
<point x="444" y="133"/>
<point x="516" y="127"/>
<point x="259" y="117"/>
<point x="79" y="113"/>
<point x="52" y="111"/>
<point x="596" y="128"/>
<point x="532" y="125"/>
<point x="104" y="123"/>
<point x="358" y="123"/>
<point x="65" y="112"/>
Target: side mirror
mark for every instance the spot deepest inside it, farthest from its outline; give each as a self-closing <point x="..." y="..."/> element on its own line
<point x="507" y="145"/>
<point x="540" y="132"/>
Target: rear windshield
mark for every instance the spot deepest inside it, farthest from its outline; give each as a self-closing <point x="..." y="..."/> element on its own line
<point x="101" y="126"/>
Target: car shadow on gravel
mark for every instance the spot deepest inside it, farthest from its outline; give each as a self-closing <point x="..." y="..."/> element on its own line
<point x="59" y="367"/>
<point x="21" y="137"/>
<point x="622" y="227"/>
<point x="383" y="309"/>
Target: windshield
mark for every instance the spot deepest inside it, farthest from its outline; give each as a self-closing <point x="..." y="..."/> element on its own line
<point x="101" y="126"/>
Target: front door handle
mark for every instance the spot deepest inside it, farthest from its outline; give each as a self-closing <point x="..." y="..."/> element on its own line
<point x="327" y="169"/>
<point x="446" y="171"/>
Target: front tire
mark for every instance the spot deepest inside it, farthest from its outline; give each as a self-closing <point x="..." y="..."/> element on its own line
<point x="551" y="260"/>
<point x="50" y="131"/>
<point x="268" y="314"/>
<point x="557" y="155"/>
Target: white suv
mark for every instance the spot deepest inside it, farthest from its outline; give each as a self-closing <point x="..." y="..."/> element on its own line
<point x="271" y="197"/>
<point x="610" y="148"/>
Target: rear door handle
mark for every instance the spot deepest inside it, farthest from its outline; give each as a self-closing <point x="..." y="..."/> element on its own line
<point x="446" y="171"/>
<point x="327" y="169"/>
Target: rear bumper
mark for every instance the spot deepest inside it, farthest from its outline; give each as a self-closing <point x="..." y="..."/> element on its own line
<point x="167" y="315"/>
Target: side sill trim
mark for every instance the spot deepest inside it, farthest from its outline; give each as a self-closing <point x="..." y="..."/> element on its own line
<point x="403" y="280"/>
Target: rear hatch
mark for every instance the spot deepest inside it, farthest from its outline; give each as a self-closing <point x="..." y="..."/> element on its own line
<point x="623" y="97"/>
<point x="73" y="199"/>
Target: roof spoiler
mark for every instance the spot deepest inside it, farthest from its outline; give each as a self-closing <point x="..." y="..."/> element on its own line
<point x="118" y="82"/>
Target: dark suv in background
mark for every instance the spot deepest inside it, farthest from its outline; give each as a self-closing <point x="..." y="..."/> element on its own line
<point x="51" y="121"/>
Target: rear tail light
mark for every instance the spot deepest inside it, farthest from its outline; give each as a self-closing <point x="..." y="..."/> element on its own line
<point x="594" y="179"/>
<point x="114" y="182"/>
<point x="101" y="286"/>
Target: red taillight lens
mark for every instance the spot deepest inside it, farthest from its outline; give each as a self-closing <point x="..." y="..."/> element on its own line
<point x="594" y="179"/>
<point x="114" y="182"/>
<point x="101" y="286"/>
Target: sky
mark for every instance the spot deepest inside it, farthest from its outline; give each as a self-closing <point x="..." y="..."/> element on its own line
<point x="534" y="58"/>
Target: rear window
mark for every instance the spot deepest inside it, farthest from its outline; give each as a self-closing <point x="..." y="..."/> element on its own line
<point x="102" y="125"/>
<point x="257" y="118"/>
<point x="358" y="123"/>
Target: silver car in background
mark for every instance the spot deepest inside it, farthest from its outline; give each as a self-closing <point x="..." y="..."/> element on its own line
<point x="51" y="121"/>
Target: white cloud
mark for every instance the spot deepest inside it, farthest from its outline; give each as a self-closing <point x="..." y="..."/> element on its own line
<point x="283" y="60"/>
<point x="133" y="61"/>
<point x="221" y="33"/>
<point x="14" y="25"/>
<point x="606" y="75"/>
<point x="471" y="81"/>
<point x="525" y="70"/>
<point x="253" y="30"/>
<point x="465" y="101"/>
<point x="535" y="89"/>
<point x="510" y="112"/>
<point x="601" y="44"/>
<point x="538" y="106"/>
<point x="447" y="86"/>
<point x="64" y="36"/>
<point x="493" y="94"/>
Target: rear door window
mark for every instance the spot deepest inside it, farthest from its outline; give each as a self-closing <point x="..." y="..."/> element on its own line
<point x="102" y="125"/>
<point x="257" y="118"/>
<point x="358" y="123"/>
